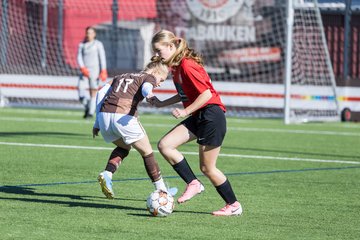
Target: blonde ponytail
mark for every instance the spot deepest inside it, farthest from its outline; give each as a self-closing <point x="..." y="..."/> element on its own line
<point x="166" y="37"/>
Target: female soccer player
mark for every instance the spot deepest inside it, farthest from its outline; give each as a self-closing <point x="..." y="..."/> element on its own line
<point x="205" y="120"/>
<point x="116" y="119"/>
<point x="92" y="62"/>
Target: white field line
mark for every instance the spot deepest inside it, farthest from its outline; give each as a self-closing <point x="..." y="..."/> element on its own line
<point x="186" y="153"/>
<point x="247" y="129"/>
<point x="293" y="131"/>
<point x="49" y="120"/>
<point x="349" y="125"/>
<point x="41" y="111"/>
<point x="74" y="113"/>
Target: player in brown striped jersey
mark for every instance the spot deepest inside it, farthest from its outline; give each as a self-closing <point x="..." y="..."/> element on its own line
<point x="116" y="119"/>
<point x="126" y="93"/>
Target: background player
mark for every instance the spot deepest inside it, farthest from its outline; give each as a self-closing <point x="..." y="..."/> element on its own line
<point x="92" y="61"/>
<point x="206" y="120"/>
<point x="116" y="119"/>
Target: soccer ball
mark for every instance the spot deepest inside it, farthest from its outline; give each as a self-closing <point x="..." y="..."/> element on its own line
<point x="160" y="203"/>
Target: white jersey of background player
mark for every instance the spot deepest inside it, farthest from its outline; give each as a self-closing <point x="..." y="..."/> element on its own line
<point x="92" y="61"/>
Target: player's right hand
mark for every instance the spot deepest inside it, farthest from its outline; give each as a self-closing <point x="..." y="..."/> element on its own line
<point x="95" y="132"/>
<point x="85" y="71"/>
<point x="179" y="113"/>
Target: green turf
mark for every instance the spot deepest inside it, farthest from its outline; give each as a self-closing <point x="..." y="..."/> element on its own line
<point x="48" y="190"/>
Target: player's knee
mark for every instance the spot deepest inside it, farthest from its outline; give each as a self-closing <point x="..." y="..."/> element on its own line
<point x="162" y="146"/>
<point x="165" y="146"/>
<point x="207" y="171"/>
<point x="204" y="169"/>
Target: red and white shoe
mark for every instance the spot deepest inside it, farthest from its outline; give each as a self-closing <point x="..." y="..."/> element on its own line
<point x="192" y="189"/>
<point x="229" y="210"/>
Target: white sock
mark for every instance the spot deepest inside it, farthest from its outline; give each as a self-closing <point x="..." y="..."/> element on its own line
<point x="160" y="185"/>
<point x="110" y="174"/>
<point x="92" y="106"/>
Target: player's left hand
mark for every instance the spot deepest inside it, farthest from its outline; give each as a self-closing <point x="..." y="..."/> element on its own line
<point x="103" y="75"/>
<point x="179" y="113"/>
<point x="95" y="132"/>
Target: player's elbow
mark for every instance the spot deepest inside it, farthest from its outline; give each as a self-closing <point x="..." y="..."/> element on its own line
<point x="207" y="94"/>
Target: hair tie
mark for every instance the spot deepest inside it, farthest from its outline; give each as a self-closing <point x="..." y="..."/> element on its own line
<point x="156" y="59"/>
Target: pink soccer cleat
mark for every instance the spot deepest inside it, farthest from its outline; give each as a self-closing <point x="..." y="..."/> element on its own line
<point x="192" y="189"/>
<point x="229" y="210"/>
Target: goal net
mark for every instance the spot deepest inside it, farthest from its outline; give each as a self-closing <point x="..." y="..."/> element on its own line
<point x="310" y="88"/>
<point x="266" y="58"/>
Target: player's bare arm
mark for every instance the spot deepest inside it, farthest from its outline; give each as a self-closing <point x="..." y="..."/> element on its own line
<point x="158" y="103"/>
<point x="197" y="104"/>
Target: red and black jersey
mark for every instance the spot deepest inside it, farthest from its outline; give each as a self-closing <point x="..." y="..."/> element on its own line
<point x="125" y="94"/>
<point x="191" y="79"/>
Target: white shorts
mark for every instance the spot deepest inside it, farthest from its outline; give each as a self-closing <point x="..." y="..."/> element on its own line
<point x="114" y="126"/>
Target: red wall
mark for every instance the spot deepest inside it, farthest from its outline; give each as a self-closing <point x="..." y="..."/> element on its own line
<point x="78" y="14"/>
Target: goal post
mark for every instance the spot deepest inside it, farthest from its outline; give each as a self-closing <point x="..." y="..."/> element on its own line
<point x="308" y="67"/>
<point x="288" y="60"/>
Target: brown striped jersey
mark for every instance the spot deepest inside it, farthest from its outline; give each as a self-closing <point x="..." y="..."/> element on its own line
<point x="125" y="93"/>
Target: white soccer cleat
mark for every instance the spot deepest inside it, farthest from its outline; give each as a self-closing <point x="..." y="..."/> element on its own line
<point x="173" y="191"/>
<point x="106" y="185"/>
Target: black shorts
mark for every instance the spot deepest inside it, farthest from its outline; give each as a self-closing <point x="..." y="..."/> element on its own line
<point x="208" y="125"/>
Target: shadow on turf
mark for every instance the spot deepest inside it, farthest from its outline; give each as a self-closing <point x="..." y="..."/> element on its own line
<point x="175" y="211"/>
<point x="31" y="192"/>
<point x="10" y="134"/>
<point x="291" y="152"/>
<point x="73" y="204"/>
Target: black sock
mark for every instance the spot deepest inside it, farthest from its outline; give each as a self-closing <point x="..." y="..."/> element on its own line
<point x="184" y="171"/>
<point x="226" y="192"/>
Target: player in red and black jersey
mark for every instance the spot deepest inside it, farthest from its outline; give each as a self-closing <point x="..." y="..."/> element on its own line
<point x="116" y="119"/>
<point x="205" y="120"/>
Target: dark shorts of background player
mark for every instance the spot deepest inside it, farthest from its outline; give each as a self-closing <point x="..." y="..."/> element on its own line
<point x="208" y="125"/>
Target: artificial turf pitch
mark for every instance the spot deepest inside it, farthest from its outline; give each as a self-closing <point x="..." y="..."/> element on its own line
<point x="294" y="181"/>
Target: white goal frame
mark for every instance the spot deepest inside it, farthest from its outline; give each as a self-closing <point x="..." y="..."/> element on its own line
<point x="292" y="5"/>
